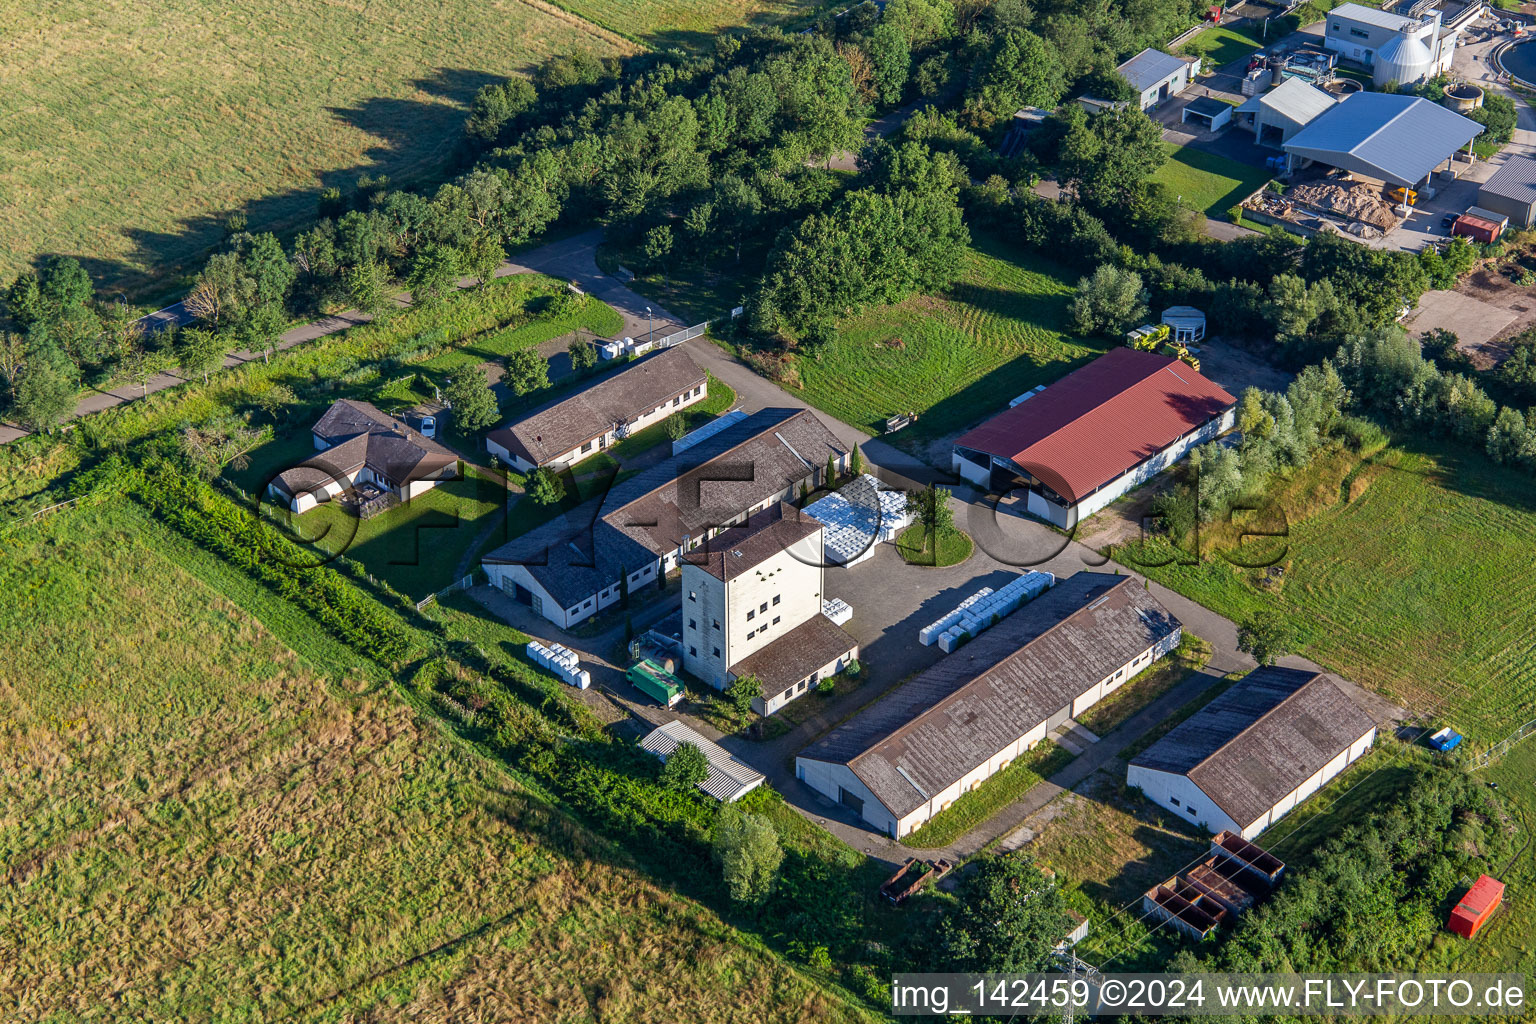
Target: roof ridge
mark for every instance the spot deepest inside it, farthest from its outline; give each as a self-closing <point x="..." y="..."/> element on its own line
<point x="950" y="697"/>
<point x="720" y="455"/>
<point x="1245" y="730"/>
<point x="1108" y="398"/>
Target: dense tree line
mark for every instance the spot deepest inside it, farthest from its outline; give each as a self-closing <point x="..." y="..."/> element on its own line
<point x="1375" y="897"/>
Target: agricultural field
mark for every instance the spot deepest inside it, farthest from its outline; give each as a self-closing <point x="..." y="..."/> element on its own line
<point x="952" y="359"/>
<point x="1406" y="574"/>
<point x="200" y="824"/>
<point x="147" y="126"/>
<point x="1208" y="182"/>
<point x="692" y="24"/>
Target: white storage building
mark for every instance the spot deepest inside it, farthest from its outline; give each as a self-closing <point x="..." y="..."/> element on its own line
<point x="1248" y="757"/>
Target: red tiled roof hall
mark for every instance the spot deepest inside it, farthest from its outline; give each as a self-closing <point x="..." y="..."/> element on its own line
<point x="1097" y="422"/>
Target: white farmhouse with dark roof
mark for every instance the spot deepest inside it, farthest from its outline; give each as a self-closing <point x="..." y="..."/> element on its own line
<point x="576" y="427"/>
<point x="1243" y="761"/>
<point x="907" y="757"/>
<point x="357" y="445"/>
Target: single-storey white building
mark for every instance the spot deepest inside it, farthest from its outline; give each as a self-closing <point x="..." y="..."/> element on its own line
<point x="579" y="426"/>
<point x="1248" y="757"/>
<point x="1095" y="434"/>
<point x="1156" y="75"/>
<point x="909" y="756"/>
<point x="357" y="444"/>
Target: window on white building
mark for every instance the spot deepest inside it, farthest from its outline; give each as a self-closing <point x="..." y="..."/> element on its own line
<point x="751" y="615"/>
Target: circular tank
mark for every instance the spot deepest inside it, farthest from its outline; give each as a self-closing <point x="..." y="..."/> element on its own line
<point x="1463" y="96"/>
<point x="1403" y="59"/>
<point x="1518" y="61"/>
<point x="1341" y="87"/>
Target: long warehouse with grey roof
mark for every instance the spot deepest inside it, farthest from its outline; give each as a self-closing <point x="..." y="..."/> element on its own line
<point x="904" y="759"/>
<point x="1243" y="761"/>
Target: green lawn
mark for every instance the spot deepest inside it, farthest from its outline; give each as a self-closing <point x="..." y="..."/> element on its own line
<point x="255" y="109"/>
<point x="416" y="546"/>
<point x="1220" y="45"/>
<point x="1409" y="575"/>
<point x="916" y="544"/>
<point x="954" y="359"/>
<point x="1207" y="181"/>
<point x="1002" y="789"/>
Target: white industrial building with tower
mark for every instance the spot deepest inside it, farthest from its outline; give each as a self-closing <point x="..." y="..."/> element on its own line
<point x="1401" y="48"/>
<point x="753" y="605"/>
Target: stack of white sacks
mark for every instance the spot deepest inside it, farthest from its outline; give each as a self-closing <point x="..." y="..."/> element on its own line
<point x="977" y="613"/>
<point x="838" y="610"/>
<point x="560" y="660"/>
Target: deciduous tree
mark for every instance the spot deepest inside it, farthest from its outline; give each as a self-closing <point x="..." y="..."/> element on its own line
<point x="749" y="853"/>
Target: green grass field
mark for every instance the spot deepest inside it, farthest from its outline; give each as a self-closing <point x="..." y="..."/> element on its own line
<point x="956" y="359"/>
<point x="131" y="131"/>
<point x="692" y="24"/>
<point x="198" y="824"/>
<point x="1408" y="575"/>
<point x="1221" y="44"/>
<point x="1208" y="181"/>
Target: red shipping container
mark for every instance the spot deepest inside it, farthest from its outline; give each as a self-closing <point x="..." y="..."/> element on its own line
<point x="1476" y="227"/>
<point x="1476" y="907"/>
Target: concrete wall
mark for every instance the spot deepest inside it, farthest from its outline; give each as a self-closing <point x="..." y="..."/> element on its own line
<point x="507" y="578"/>
<point x="1179" y="794"/>
<point x="1182" y="796"/>
<point x="1177" y="83"/>
<point x="1520" y="214"/>
<point x="827" y="779"/>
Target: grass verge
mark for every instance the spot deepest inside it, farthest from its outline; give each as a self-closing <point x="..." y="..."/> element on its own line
<point x="992" y="795"/>
<point x="1208" y="182"/>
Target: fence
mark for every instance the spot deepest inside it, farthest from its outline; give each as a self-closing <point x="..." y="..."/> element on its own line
<point x="687" y="334"/>
<point x="1501" y="748"/>
<point x="463" y="584"/>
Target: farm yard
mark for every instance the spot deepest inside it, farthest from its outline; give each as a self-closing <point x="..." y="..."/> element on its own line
<point x="254" y="109"/>
<point x="1399" y="574"/>
<point x="952" y="359"/>
<point x="1208" y="182"/>
<point x="202" y="824"/>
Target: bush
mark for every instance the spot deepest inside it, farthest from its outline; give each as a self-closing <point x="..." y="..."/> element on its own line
<point x="1362" y="436"/>
<point x="1111" y="302"/>
<point x="686" y="768"/>
<point x="545" y="486"/>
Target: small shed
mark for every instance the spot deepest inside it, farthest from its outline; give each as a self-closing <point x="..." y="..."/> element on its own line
<point x="1209" y="113"/>
<point x="1511" y="191"/>
<point x="1186" y="324"/>
<point x="1476" y="907"/>
<point x="728" y="778"/>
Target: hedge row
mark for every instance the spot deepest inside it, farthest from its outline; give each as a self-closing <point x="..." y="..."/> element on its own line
<point x="196" y="510"/>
